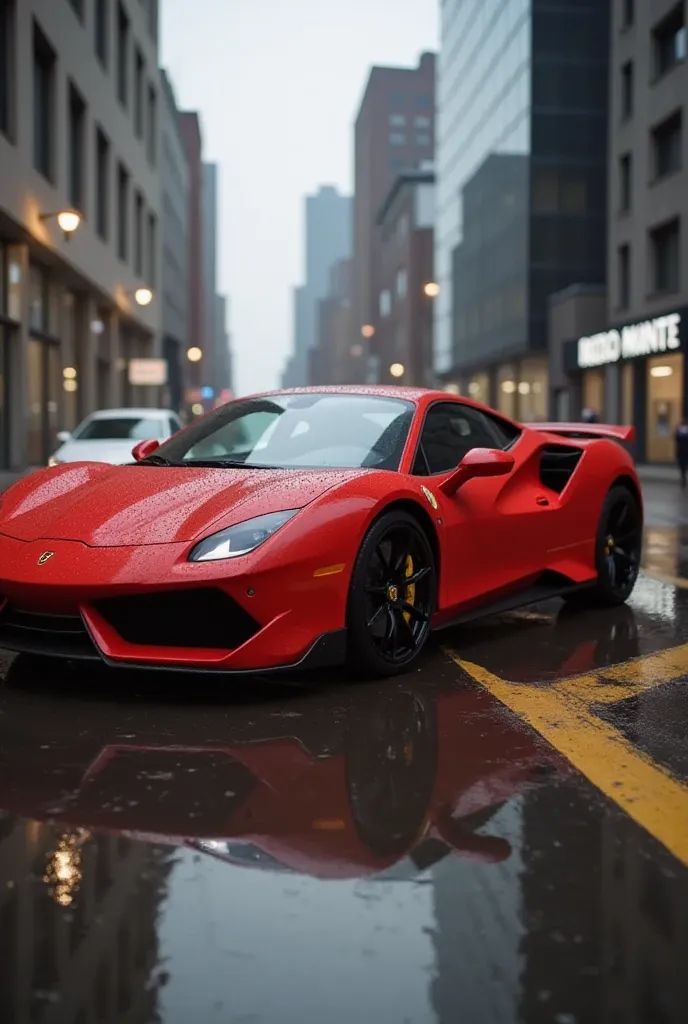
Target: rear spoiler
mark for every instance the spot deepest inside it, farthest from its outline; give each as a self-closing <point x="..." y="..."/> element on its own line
<point x="586" y="431"/>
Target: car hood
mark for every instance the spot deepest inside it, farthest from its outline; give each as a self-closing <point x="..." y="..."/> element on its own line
<point x="132" y="505"/>
<point x="114" y="452"/>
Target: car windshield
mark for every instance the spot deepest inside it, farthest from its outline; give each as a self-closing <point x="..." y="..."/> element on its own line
<point x="306" y="431"/>
<point x="120" y="428"/>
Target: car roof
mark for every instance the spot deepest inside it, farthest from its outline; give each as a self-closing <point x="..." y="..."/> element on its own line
<point x="108" y="414"/>
<point x="374" y="390"/>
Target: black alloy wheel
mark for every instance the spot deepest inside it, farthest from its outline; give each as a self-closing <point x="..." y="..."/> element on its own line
<point x="391" y="597"/>
<point x="618" y="547"/>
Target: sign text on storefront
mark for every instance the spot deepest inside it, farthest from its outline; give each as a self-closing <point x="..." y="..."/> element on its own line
<point x="645" y="339"/>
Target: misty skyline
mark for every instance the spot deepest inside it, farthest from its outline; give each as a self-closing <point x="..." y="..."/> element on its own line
<point x="279" y="127"/>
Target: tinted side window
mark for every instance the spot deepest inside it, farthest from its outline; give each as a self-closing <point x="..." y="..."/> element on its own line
<point x="450" y="430"/>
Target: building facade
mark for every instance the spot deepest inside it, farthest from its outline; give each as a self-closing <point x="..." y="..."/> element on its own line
<point x="174" y="174"/>
<point x="394" y="132"/>
<point x="328" y="360"/>
<point x="403" y="319"/>
<point x="79" y="133"/>
<point x="327" y="241"/>
<point x="190" y="125"/>
<point x="630" y="365"/>
<point x="521" y="205"/>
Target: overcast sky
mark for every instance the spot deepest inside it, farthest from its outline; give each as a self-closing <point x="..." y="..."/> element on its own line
<point x="278" y="84"/>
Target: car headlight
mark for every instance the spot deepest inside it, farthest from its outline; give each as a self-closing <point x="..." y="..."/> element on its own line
<point x="52" y="461"/>
<point x="241" y="538"/>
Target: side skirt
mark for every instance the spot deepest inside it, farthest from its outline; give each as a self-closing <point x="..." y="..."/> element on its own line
<point x="549" y="586"/>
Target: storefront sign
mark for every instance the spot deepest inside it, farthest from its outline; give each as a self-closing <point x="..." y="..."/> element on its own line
<point x="644" y="339"/>
<point x="148" y="371"/>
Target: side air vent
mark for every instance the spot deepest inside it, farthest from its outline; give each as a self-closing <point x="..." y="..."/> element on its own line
<point x="557" y="463"/>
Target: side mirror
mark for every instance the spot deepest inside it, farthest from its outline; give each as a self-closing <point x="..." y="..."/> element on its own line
<point x="478" y="462"/>
<point x="144" y="448"/>
<point x="63" y="436"/>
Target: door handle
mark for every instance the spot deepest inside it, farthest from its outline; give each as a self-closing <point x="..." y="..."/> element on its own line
<point x="542" y="500"/>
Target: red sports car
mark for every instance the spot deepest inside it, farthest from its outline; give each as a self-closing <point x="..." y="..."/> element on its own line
<point x="307" y="527"/>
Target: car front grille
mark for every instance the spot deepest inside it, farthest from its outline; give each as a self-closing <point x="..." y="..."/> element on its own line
<point x="195" y="618"/>
<point x="33" y="632"/>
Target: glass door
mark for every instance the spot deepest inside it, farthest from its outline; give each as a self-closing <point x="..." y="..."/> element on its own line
<point x="44" y="374"/>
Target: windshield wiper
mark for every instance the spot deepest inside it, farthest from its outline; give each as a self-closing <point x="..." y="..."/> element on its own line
<point x="157" y="460"/>
<point x="225" y="464"/>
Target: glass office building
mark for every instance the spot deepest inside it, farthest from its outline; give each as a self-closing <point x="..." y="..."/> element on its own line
<point x="521" y="198"/>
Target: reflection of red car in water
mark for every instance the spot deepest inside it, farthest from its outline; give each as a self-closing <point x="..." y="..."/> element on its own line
<point x="414" y="774"/>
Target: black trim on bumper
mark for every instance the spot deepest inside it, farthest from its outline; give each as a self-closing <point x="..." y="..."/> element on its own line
<point x="327" y="651"/>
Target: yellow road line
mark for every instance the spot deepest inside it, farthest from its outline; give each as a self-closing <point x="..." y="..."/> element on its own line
<point x="561" y="713"/>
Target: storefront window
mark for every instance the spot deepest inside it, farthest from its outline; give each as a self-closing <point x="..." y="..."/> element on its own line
<point x="664" y="406"/>
<point x="70" y="368"/>
<point x="593" y="391"/>
<point x="479" y="388"/>
<point x="532" y="391"/>
<point x="507" y="390"/>
<point x="627" y="389"/>
<point x="38" y="299"/>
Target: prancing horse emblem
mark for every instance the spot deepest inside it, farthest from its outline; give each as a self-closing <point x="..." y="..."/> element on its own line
<point x="45" y="557"/>
<point x="430" y="496"/>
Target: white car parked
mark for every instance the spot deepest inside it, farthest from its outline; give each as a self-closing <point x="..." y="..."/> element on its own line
<point x="110" y="435"/>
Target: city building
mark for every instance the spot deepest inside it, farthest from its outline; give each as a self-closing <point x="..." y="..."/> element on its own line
<point x="521" y="205"/>
<point x="394" y="132"/>
<point x="197" y="353"/>
<point x="174" y="174"/>
<point x="79" y="215"/>
<point x="216" y="366"/>
<point x="328" y="361"/>
<point x="404" y="315"/>
<point x="629" y="363"/>
<point x="327" y="241"/>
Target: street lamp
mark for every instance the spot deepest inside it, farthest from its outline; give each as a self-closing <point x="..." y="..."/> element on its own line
<point x="367" y="330"/>
<point x="194" y="354"/>
<point x="397" y="369"/>
<point x="68" y="221"/>
<point x="432" y="289"/>
<point x="143" y="296"/>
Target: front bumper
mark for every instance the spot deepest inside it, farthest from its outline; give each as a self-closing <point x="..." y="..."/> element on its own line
<point x="147" y="607"/>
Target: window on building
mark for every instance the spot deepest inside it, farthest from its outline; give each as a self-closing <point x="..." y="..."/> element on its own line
<point x="44" y="64"/>
<point x="627" y="13"/>
<point x="78" y="8"/>
<point x="667" y="142"/>
<point x="424" y="100"/>
<point x="664" y="247"/>
<point x="77" y="147"/>
<point x="138" y="235"/>
<point x="624" y="257"/>
<point x="402" y="282"/>
<point x="397" y="120"/>
<point x="397" y="99"/>
<point x="7" y="67"/>
<point x="422" y="121"/>
<point x="102" y="184"/>
<point x="100" y="30"/>
<point x="397" y="139"/>
<point x="422" y="140"/>
<point x="122" y="55"/>
<point x="152" y="125"/>
<point x="152" y="250"/>
<point x="139" y="79"/>
<point x="625" y="182"/>
<point x="669" y="41"/>
<point x="627" y="89"/>
<point x="122" y="212"/>
<point x="385" y="303"/>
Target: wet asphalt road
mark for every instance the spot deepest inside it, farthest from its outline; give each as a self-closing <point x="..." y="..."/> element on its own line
<point x="447" y="847"/>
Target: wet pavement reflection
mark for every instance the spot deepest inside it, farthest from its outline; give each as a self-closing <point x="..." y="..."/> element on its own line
<point x="320" y="850"/>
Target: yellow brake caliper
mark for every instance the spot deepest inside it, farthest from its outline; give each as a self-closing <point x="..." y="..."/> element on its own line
<point x="411" y="589"/>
